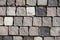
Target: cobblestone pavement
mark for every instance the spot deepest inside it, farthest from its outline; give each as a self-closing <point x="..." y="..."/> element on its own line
<point x="29" y="19"/>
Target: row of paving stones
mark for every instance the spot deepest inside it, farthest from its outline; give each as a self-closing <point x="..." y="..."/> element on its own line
<point x="27" y="38"/>
<point x="29" y="11"/>
<point x="30" y="21"/>
<point x="30" y="31"/>
<point x="30" y="2"/>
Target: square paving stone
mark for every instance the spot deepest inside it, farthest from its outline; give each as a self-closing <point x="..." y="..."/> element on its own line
<point x="17" y="38"/>
<point x="2" y="11"/>
<point x="52" y="2"/>
<point x="56" y="21"/>
<point x="42" y="2"/>
<point x="58" y="11"/>
<point x="3" y="30"/>
<point x="1" y="20"/>
<point x="2" y="2"/>
<point x="13" y="30"/>
<point x="37" y="21"/>
<point x="8" y="21"/>
<point x="27" y="21"/>
<point x="11" y="11"/>
<point x="7" y="38"/>
<point x="18" y="21"/>
<point x="57" y="38"/>
<point x="49" y="38"/>
<point x="51" y="11"/>
<point x="42" y="31"/>
<point x="28" y="38"/>
<point x="30" y="11"/>
<point x="31" y="2"/>
<point x="47" y="21"/>
<point x="33" y="31"/>
<point x="21" y="11"/>
<point x="37" y="38"/>
<point x="41" y="11"/>
<point x="11" y="2"/>
<point x="23" y="31"/>
<point x="20" y="2"/>
<point x="55" y="31"/>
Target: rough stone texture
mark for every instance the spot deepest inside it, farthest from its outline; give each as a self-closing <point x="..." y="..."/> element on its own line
<point x="51" y="11"/>
<point x="52" y="2"/>
<point x="56" y="21"/>
<point x="17" y="38"/>
<point x="7" y="38"/>
<point x="28" y="38"/>
<point x="20" y="2"/>
<point x="21" y="11"/>
<point x="23" y="31"/>
<point x="18" y="21"/>
<point x="2" y="2"/>
<point x="27" y="21"/>
<point x="40" y="11"/>
<point x="31" y="2"/>
<point x="3" y="30"/>
<point x="47" y="21"/>
<point x="33" y="31"/>
<point x="13" y="30"/>
<point x="30" y="11"/>
<point x="58" y="11"/>
<point x="55" y="31"/>
<point x="37" y="21"/>
<point x="1" y="20"/>
<point x="11" y="2"/>
<point x="49" y="38"/>
<point x="37" y="38"/>
<point x="2" y="11"/>
<point x="8" y="21"/>
<point x="42" y="2"/>
<point x="43" y="31"/>
<point x="57" y="38"/>
<point x="11" y="11"/>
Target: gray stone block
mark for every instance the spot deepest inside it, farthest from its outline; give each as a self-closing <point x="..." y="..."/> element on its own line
<point x="3" y="30"/>
<point x="20" y="2"/>
<point x="11" y="11"/>
<point x="21" y="11"/>
<point x="13" y="30"/>
<point x="28" y="38"/>
<point x="49" y="38"/>
<point x="0" y="37"/>
<point x="7" y="38"/>
<point x="17" y="38"/>
<point x="41" y="11"/>
<point x="27" y="21"/>
<point x="2" y="2"/>
<point x="56" y="21"/>
<point x="55" y="31"/>
<point x="11" y="2"/>
<point x="58" y="11"/>
<point x="18" y="21"/>
<point x="37" y="21"/>
<point x="43" y="31"/>
<point x="47" y="21"/>
<point x="23" y="31"/>
<point x="42" y="2"/>
<point x="52" y="2"/>
<point x="33" y="31"/>
<point x="31" y="2"/>
<point x="37" y="38"/>
<point x="51" y="11"/>
<point x="2" y="11"/>
<point x="57" y="38"/>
